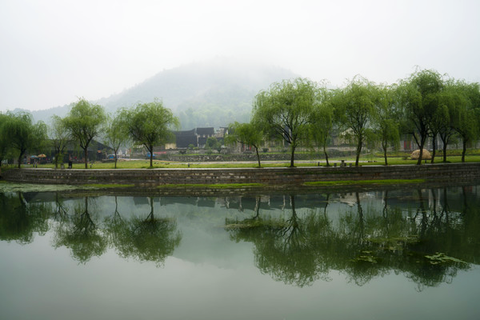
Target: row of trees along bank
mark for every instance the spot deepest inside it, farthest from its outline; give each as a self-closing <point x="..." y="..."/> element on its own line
<point x="149" y="124"/>
<point x="425" y="105"/>
<point x="299" y="111"/>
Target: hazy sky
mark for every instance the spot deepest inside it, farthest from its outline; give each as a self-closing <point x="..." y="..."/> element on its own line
<point x="52" y="52"/>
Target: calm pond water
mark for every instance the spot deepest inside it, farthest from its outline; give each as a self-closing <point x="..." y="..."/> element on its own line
<point x="397" y="254"/>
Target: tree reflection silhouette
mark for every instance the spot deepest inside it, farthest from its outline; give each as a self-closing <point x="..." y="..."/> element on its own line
<point x="283" y="247"/>
<point x="81" y="235"/>
<point x="19" y="220"/>
<point x="426" y="235"/>
<point x="149" y="239"/>
<point x="365" y="244"/>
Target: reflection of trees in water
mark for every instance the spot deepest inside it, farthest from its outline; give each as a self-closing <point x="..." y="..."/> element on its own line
<point x="146" y="239"/>
<point x="19" y="220"/>
<point x="80" y="233"/>
<point x="283" y="247"/>
<point x="149" y="239"/>
<point x="366" y="242"/>
<point x="298" y="247"/>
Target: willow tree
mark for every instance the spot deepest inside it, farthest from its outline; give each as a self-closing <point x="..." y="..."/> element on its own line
<point x="321" y="122"/>
<point x="451" y="101"/>
<point x="354" y="108"/>
<point x="3" y="138"/>
<point x="467" y="115"/>
<point x="420" y="97"/>
<point x="59" y="138"/>
<point x="21" y="134"/>
<point x="84" y="122"/>
<point x="116" y="134"/>
<point x="150" y="124"/>
<point x="386" y="119"/>
<point x="284" y="111"/>
<point x="247" y="134"/>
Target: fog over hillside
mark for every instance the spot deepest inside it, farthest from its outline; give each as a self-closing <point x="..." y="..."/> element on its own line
<point x="210" y="93"/>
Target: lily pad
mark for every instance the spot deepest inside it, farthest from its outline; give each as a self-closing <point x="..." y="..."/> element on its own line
<point x="439" y="258"/>
<point x="366" y="257"/>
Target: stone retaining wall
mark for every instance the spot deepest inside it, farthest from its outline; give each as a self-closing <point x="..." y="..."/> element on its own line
<point x="272" y="177"/>
<point x="252" y="156"/>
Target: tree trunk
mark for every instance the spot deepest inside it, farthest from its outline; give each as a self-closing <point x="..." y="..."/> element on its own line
<point x="326" y="155"/>
<point x="385" y="147"/>
<point x="86" y="156"/>
<point x="464" y="149"/>
<point x="258" y="157"/>
<point x="420" y="145"/>
<point x="434" y="145"/>
<point x="56" y="156"/>
<point x="292" y="159"/>
<point x="420" y="156"/>
<point x="22" y="152"/>
<point x="150" y="149"/>
<point x="444" y="150"/>
<point x="116" y="158"/>
<point x="359" y="150"/>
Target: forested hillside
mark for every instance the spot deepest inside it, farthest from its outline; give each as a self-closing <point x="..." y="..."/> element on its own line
<point x="212" y="93"/>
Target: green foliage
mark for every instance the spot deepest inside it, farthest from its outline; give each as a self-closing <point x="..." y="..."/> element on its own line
<point x="213" y="143"/>
<point x="3" y="138"/>
<point x="466" y="118"/>
<point x="247" y="134"/>
<point x="420" y="96"/>
<point x="354" y="110"/>
<point x="285" y="109"/>
<point x="84" y="122"/>
<point x="386" y="119"/>
<point x="116" y="134"/>
<point x="59" y="138"/>
<point x="444" y="120"/>
<point x="297" y="112"/>
<point x="321" y="121"/>
<point x="150" y="124"/>
<point x="20" y="134"/>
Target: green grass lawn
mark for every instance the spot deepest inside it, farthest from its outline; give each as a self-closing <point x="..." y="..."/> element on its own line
<point x="365" y="160"/>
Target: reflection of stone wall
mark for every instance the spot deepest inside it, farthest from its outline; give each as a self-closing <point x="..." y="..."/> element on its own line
<point x="274" y="177"/>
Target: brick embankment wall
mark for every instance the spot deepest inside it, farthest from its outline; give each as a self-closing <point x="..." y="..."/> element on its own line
<point x="273" y="177"/>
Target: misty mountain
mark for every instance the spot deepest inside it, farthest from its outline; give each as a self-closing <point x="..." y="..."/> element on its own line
<point x="46" y="115"/>
<point x="213" y="93"/>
